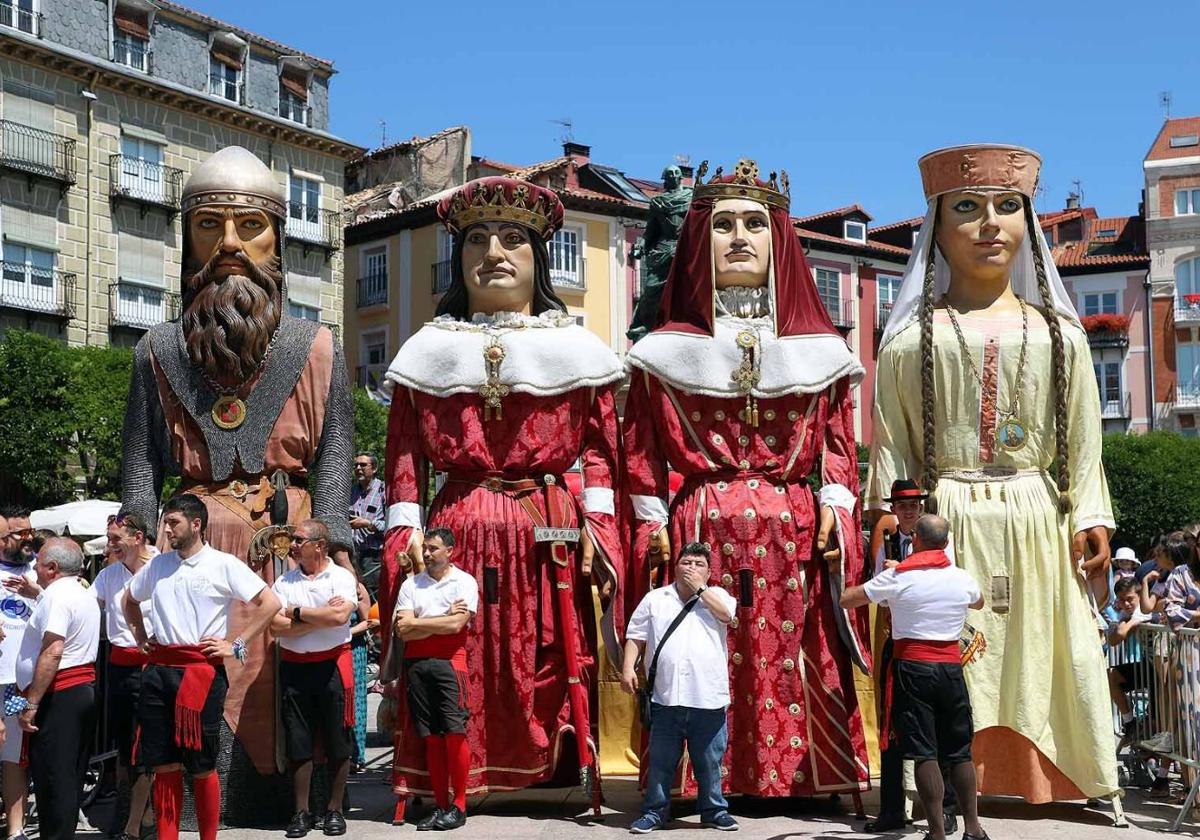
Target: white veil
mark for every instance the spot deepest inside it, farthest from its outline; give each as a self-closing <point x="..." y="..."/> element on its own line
<point x="907" y="305"/>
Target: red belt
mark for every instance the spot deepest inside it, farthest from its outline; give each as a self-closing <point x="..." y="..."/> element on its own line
<point x="928" y="650"/>
<point x="73" y="676"/>
<point x="345" y="666"/>
<point x="127" y="656"/>
<point x="199" y="671"/>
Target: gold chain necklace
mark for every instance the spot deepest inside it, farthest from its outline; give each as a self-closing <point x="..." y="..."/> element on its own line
<point x="1012" y="433"/>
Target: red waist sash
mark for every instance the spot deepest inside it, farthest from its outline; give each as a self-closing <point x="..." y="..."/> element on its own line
<point x="452" y="646"/>
<point x="73" y="676"/>
<point x="199" y="671"/>
<point x="928" y="650"/>
<point x="345" y="666"/>
<point x="127" y="656"/>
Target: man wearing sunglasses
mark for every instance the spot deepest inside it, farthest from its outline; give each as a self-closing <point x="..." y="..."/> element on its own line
<point x="16" y="570"/>
<point x="316" y="674"/>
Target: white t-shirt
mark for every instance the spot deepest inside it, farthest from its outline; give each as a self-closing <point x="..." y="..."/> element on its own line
<point x="190" y="599"/>
<point x="429" y="598"/>
<point x="68" y="609"/>
<point x="928" y="604"/>
<point x="109" y="588"/>
<point x="14" y="616"/>
<point x="295" y="589"/>
<point x="693" y="669"/>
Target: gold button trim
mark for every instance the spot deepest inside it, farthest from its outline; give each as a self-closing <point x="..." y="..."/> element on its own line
<point x="722" y="486"/>
<point x="762" y="662"/>
<point x="798" y="776"/>
<point x="769" y="414"/>
<point x="720" y="415"/>
<point x="793" y="416"/>
<point x="744" y="464"/>
<point x="724" y="770"/>
<point x="727" y="548"/>
<point x="749" y="513"/>
<point x="788" y="665"/>
<point x="788" y="626"/>
<point x="695" y="416"/>
<point x="770" y="439"/>
<point x="793" y="584"/>
<point x="727" y="579"/>
<point x="795" y="742"/>
<point x="770" y="740"/>
<point x="794" y="709"/>
<point x="762" y="622"/>
<point x="737" y="658"/>
<point x="760" y="551"/>
<point x="743" y="440"/>
<point x="785" y="517"/>
<point x="780" y="489"/>
<point x="774" y="775"/>
<point x="752" y="484"/>
<point x="714" y="514"/>
<point x="717" y="438"/>
<point x="707" y="545"/>
<point x="790" y="548"/>
<point x="733" y="622"/>
<point x="761" y="583"/>
<point x="768" y="703"/>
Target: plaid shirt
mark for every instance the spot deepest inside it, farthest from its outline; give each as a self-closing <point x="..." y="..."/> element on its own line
<point x="371" y="505"/>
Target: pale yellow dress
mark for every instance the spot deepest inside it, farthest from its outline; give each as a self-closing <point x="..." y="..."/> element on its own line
<point x="1039" y="693"/>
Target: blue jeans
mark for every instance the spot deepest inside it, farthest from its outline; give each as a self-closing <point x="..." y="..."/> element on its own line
<point x="706" y="736"/>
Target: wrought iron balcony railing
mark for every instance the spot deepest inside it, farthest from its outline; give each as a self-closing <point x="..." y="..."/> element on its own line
<point x="25" y="20"/>
<point x="313" y="226"/>
<point x="440" y="272"/>
<point x="1115" y="409"/>
<point x="144" y="182"/>
<point x="575" y="279"/>
<point x="295" y="111"/>
<point x="372" y="290"/>
<point x="140" y="306"/>
<point x="137" y="56"/>
<point x="219" y="85"/>
<point x="37" y="153"/>
<point x="47" y="291"/>
<point x="841" y="312"/>
<point x="881" y="316"/>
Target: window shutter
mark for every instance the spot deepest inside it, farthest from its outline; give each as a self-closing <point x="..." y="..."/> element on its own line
<point x="228" y="55"/>
<point x="295" y="82"/>
<point x="132" y="22"/>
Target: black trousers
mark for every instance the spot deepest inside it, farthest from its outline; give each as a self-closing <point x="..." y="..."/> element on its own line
<point x="891" y="764"/>
<point x="58" y="757"/>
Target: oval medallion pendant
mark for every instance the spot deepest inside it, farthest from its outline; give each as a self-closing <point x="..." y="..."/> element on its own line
<point x="229" y="412"/>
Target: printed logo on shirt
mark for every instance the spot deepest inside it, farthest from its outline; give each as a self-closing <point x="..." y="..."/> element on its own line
<point x="12" y="607"/>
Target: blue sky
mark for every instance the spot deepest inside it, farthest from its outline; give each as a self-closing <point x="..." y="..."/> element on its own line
<point x="845" y="96"/>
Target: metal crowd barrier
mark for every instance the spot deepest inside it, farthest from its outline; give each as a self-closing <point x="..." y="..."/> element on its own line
<point x="1161" y="670"/>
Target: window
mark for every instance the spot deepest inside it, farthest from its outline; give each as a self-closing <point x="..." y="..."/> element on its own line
<point x="293" y="93"/>
<point x="28" y="276"/>
<point x="1187" y="364"/>
<point x="1108" y="379"/>
<point x="373" y="287"/>
<point x="854" y="230"/>
<point x="300" y="310"/>
<point x="1049" y="232"/>
<point x="566" y="264"/>
<point x="1187" y="285"/>
<point x="1187" y="202"/>
<point x="829" y="289"/>
<point x="441" y="268"/>
<point x="292" y="107"/>
<point x="887" y="289"/>
<point x="142" y="168"/>
<point x="304" y="209"/>
<point x="1100" y="303"/>
<point x="1180" y="141"/>
<point x="19" y="14"/>
<point x="26" y="106"/>
<point x="224" y="79"/>
<point x="131" y="51"/>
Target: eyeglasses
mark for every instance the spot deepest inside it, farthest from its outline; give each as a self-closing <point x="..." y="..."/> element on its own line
<point x="19" y="534"/>
<point x="298" y="540"/>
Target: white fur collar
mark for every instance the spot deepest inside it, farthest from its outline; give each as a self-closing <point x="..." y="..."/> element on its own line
<point x="544" y="355"/>
<point x="698" y="364"/>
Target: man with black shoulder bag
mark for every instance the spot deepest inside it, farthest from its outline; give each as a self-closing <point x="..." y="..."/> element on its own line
<point x="678" y="633"/>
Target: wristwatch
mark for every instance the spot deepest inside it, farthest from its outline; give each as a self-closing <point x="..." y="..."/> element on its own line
<point x="296" y="615"/>
<point x="703" y="587"/>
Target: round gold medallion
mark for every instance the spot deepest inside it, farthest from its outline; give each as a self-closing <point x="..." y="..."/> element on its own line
<point x="1012" y="435"/>
<point x="229" y="412"/>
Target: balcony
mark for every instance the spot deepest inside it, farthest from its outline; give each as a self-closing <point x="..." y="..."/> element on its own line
<point x="37" y="153"/>
<point x="1115" y="409"/>
<point x="372" y="290"/>
<point x="140" y="306"/>
<point x="882" y="313"/>
<point x="313" y="227"/>
<point x="44" y="291"/>
<point x="1187" y="309"/>
<point x="14" y="17"/>
<point x="1186" y="396"/>
<point x="134" y="54"/>
<point x="145" y="183"/>
<point x="440" y="273"/>
<point x="220" y="86"/>
<point x="570" y="279"/>
<point x="370" y="376"/>
<point x="297" y="112"/>
<point x="841" y="312"/>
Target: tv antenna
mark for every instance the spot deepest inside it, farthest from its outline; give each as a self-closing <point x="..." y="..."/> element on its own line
<point x="683" y="160"/>
<point x="1039" y="195"/>
<point x="1078" y="185"/>
<point x="382" y="133"/>
<point x="1164" y="102"/>
<point x="568" y="129"/>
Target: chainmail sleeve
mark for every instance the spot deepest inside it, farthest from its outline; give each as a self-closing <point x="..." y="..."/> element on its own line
<point x="329" y="477"/>
<point x="144" y="441"/>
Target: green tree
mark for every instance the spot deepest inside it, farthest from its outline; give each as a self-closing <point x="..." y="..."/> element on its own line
<point x="99" y="391"/>
<point x="1154" y="480"/>
<point x="370" y="425"/>
<point x="37" y="415"/>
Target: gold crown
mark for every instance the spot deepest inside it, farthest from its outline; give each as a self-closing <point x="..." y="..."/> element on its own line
<point x="503" y="200"/>
<point x="744" y="183"/>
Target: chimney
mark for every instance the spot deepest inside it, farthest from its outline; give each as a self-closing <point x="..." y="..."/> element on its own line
<point x="1072" y="201"/>
<point x="688" y="172"/>
<point x="580" y="152"/>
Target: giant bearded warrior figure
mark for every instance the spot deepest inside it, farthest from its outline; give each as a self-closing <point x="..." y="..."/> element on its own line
<point x="744" y="388"/>
<point x="504" y="393"/>
<point x="249" y="406"/>
<point x="987" y="398"/>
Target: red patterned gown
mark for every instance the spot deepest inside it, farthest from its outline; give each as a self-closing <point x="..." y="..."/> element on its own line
<point x="794" y="724"/>
<point x="560" y="410"/>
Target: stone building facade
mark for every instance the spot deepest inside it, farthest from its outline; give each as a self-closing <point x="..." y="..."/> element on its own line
<point x="105" y="109"/>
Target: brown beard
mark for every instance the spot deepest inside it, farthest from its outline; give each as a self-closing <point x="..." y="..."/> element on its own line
<point x="228" y="323"/>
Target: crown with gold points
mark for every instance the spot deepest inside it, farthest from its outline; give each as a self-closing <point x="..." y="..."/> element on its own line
<point x="744" y="183"/>
<point x="500" y="199"/>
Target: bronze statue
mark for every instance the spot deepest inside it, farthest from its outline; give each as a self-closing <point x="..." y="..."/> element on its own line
<point x="657" y="247"/>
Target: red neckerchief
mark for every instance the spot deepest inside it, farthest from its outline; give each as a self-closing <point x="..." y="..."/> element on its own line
<point x="933" y="559"/>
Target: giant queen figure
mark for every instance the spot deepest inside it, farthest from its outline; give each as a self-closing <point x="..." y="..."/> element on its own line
<point x="744" y="388"/>
<point x="249" y="406"/>
<point x="504" y="393"/>
<point x="986" y="397"/>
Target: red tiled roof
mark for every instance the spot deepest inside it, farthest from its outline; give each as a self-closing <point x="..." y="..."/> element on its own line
<point x="237" y="30"/>
<point x="1076" y="254"/>
<point x="915" y="221"/>
<point x="1127" y="239"/>
<point x="495" y="164"/>
<point x="869" y="245"/>
<point x="1161" y="148"/>
<point x="829" y="214"/>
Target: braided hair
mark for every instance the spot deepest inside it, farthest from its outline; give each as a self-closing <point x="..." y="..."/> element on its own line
<point x="929" y="476"/>
<point x="1059" y="363"/>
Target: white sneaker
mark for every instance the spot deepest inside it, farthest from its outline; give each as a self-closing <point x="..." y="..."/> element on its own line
<point x="1162" y="742"/>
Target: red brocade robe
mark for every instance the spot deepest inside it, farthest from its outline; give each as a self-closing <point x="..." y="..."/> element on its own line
<point x="794" y="724"/>
<point x="520" y="722"/>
